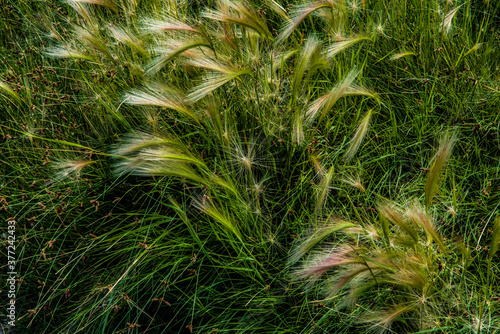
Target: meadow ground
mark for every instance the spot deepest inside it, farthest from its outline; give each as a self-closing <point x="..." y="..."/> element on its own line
<point x="250" y="167"/>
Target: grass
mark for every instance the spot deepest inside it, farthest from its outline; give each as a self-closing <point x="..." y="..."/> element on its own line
<point x="251" y="167"/>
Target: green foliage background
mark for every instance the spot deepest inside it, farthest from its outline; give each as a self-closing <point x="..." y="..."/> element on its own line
<point x="193" y="231"/>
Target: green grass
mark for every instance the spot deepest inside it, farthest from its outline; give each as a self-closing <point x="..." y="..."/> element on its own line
<point x="180" y="167"/>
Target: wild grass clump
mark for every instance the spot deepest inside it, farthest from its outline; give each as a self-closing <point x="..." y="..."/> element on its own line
<point x="400" y="263"/>
<point x="161" y="159"/>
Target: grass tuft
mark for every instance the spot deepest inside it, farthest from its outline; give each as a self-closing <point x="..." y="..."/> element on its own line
<point x="181" y="166"/>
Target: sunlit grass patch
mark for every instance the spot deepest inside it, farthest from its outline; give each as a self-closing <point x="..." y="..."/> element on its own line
<point x="175" y="166"/>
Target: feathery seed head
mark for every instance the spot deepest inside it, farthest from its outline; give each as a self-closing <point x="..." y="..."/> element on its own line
<point x="128" y="38"/>
<point x="66" y="52"/>
<point x="167" y="25"/>
<point x="327" y="101"/>
<point x="219" y="74"/>
<point x="391" y="214"/>
<point x="155" y="155"/>
<point x="218" y="214"/>
<point x="343" y="255"/>
<point x="318" y="235"/>
<point x="320" y="170"/>
<point x="92" y="41"/>
<point x="354" y="5"/>
<point x="155" y="94"/>
<point x="84" y="11"/>
<point x="384" y="319"/>
<point x="277" y="8"/>
<point x="354" y="181"/>
<point x="372" y="232"/>
<point x="446" y="27"/>
<point x="324" y="189"/>
<point x="238" y="13"/>
<point x="258" y="188"/>
<point x="445" y="148"/>
<point x="340" y="46"/>
<point x="66" y="168"/>
<point x="495" y="239"/>
<point x="418" y="217"/>
<point x="358" y="136"/>
<point x="174" y="47"/>
<point x="6" y="89"/>
<point x="299" y="14"/>
<point x="53" y="34"/>
<point x="245" y="155"/>
<point x="452" y="211"/>
<point x="402" y="55"/>
<point x="310" y="60"/>
<point x="111" y="4"/>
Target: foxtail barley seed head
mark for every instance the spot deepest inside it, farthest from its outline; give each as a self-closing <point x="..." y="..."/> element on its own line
<point x="155" y="94"/>
<point x="338" y="47"/>
<point x="223" y="218"/>
<point x="449" y="18"/>
<point x="299" y="14"/>
<point x="128" y="38"/>
<point x="66" y="52"/>
<point x="65" y="168"/>
<point x="327" y="101"/>
<point x="419" y="217"/>
<point x="238" y="13"/>
<point x="84" y="11"/>
<point x="495" y="239"/>
<point x="343" y="255"/>
<point x="434" y="175"/>
<point x="354" y="181"/>
<point x="318" y="235"/>
<point x="173" y="48"/>
<point x="6" y="89"/>
<point x="169" y="24"/>
<point x="324" y="189"/>
<point x="277" y="8"/>
<point x="106" y="3"/>
<point x="92" y="41"/>
<point x="358" y="136"/>
<point x="402" y="55"/>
